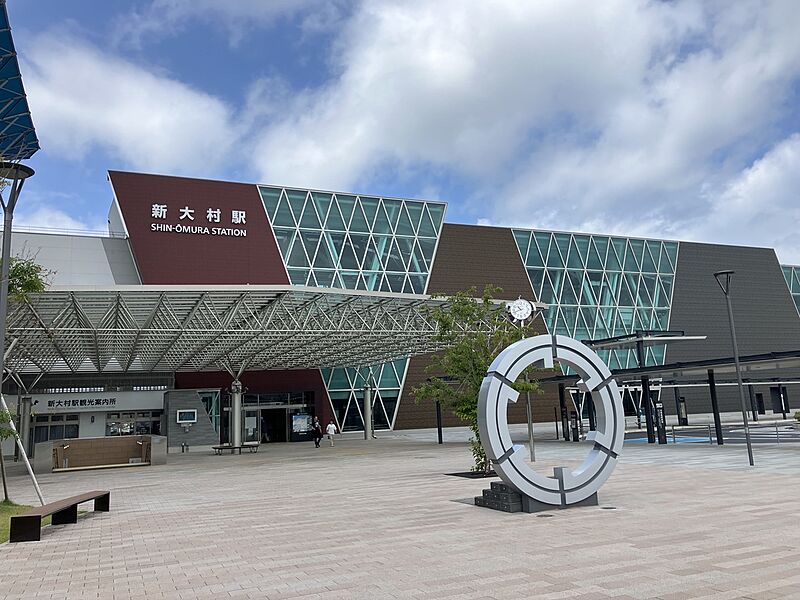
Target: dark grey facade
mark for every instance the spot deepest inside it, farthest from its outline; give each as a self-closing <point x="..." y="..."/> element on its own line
<point x="765" y="316"/>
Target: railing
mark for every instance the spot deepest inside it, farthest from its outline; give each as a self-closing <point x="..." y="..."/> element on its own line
<point x="59" y="230"/>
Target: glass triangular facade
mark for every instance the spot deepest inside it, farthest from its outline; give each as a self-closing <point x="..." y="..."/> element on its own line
<point x="600" y="286"/>
<point x="792" y="275"/>
<point x="356" y="242"/>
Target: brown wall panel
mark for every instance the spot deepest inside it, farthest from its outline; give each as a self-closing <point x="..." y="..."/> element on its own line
<point x="167" y="257"/>
<point x="471" y="256"/>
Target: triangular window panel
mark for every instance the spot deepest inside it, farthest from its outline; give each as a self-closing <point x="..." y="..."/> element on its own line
<point x="309" y="218"/>
<point x="370" y="207"/>
<point x="426" y="228"/>
<point x="649" y="282"/>
<point x="364" y="284"/>
<point x="393" y="211"/>
<point x="406" y="246"/>
<point x="554" y="258"/>
<point x="625" y="293"/>
<point x="335" y="244"/>
<point x="542" y="240"/>
<point x="547" y="294"/>
<point x="388" y="377"/>
<point x="324" y="259"/>
<point x="297" y="257"/>
<point x="298" y="276"/>
<point x="593" y="260"/>
<point x="283" y="216"/>
<point x="523" y="239"/>
<point x="568" y="295"/>
<point x="418" y="264"/>
<point x="562" y="241"/>
<point x="672" y="251"/>
<point x="297" y="199"/>
<point x="346" y="204"/>
<point x="534" y="257"/>
<point x="311" y="281"/>
<point x="415" y="213"/>
<point x="550" y="318"/>
<point x="349" y="279"/>
<point x="418" y="283"/>
<point x="582" y="242"/>
<point x="394" y="261"/>
<point x="407" y="289"/>
<point x="284" y="238"/>
<point x="324" y="278"/>
<point x="404" y="223"/>
<point x="437" y="212"/>
<point x="270" y="197"/>
<point x="395" y="282"/>
<point x="574" y="259"/>
<point x="310" y="241"/>
<point x="648" y="263"/>
<point x="359" y="221"/>
<point x="383" y="245"/>
<point x="537" y="278"/>
<point x="322" y="202"/>
<point x="615" y="256"/>
<point x="347" y="258"/>
<point x="371" y="258"/>
<point x="384" y="287"/>
<point x="601" y="243"/>
<point x="360" y="242"/>
<point x="335" y="221"/>
<point x="427" y="247"/>
<point x="631" y="263"/>
<point x="666" y="282"/>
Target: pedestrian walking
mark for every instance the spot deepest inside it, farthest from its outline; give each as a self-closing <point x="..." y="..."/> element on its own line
<point x="317" y="429"/>
<point x="331" y="431"/>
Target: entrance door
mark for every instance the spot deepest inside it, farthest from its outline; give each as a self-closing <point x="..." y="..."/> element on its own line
<point x="274" y="425"/>
<point x="252" y="426"/>
<point x="778" y="395"/>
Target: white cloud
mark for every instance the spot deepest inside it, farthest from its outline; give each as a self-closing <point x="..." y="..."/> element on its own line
<point x="167" y="17"/>
<point x="86" y="99"/>
<point x="618" y="116"/>
<point x="761" y="204"/>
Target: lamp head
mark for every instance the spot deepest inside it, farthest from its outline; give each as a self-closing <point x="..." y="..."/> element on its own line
<point x="724" y="276"/>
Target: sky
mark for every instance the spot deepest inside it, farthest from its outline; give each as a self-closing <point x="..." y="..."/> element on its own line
<point x="672" y="119"/>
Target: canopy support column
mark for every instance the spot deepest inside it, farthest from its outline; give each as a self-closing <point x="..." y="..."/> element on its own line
<point x="235" y="423"/>
<point x="368" y="412"/>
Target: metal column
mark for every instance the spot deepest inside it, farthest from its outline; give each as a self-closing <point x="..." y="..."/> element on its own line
<point x="367" y="412"/>
<point x="753" y="402"/>
<point x="712" y="388"/>
<point x="562" y="401"/>
<point x="235" y="426"/>
<point x="648" y="410"/>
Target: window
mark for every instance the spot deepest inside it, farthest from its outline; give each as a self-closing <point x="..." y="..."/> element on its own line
<point x="52" y="427"/>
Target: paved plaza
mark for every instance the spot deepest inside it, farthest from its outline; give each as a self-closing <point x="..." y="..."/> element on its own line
<point x="381" y="520"/>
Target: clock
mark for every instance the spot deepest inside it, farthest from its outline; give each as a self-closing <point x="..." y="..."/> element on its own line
<point x="520" y="309"/>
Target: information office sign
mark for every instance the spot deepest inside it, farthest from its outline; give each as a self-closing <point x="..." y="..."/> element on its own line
<point x="97" y="402"/>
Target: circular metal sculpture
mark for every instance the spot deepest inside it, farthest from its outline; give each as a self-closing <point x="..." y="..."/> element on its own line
<point x="566" y="486"/>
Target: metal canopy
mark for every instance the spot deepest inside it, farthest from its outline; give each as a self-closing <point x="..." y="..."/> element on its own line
<point x="17" y="134"/>
<point x="647" y="337"/>
<point x="200" y="328"/>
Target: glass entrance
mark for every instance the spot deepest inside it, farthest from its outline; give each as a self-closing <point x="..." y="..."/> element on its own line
<point x="252" y="426"/>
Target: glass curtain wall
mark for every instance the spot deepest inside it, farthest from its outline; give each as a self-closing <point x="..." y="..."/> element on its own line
<point x="599" y="286"/>
<point x="356" y="242"/>
<point x="792" y="275"/>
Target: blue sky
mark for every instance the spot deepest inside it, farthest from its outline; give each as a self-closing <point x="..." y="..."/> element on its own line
<point x="676" y="120"/>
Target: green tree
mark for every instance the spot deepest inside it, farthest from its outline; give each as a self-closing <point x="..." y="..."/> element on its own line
<point x="25" y="276"/>
<point x="5" y="433"/>
<point x="474" y="331"/>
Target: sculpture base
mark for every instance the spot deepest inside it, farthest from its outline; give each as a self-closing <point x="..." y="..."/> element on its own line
<point x="504" y="498"/>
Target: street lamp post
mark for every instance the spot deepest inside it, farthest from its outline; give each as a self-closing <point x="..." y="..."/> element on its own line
<point x="724" y="280"/>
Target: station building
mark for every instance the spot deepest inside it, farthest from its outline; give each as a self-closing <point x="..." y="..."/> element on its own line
<point x="173" y="231"/>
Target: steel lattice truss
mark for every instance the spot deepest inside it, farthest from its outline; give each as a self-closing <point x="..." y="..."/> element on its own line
<point x="201" y="328"/>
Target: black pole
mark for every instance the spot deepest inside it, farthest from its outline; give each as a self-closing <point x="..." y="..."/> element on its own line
<point x="591" y="411"/>
<point x="752" y="401"/>
<point x="781" y="395"/>
<point x="555" y="414"/>
<point x="712" y="388"/>
<point x="439" y="420"/>
<point x="562" y="401"/>
<point x="677" y="393"/>
<point x="648" y="410"/>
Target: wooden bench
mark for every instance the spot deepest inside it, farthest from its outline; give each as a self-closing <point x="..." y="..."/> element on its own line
<point x="252" y="446"/>
<point x="27" y="527"/>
